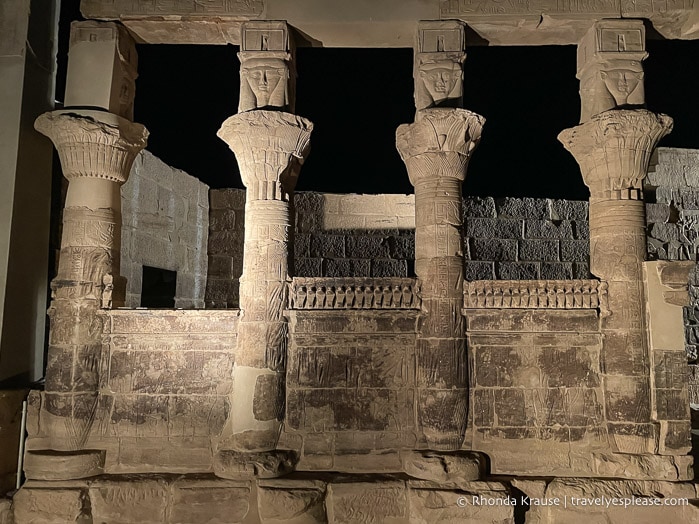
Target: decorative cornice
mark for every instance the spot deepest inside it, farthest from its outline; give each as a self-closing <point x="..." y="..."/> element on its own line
<point x="93" y="147"/>
<point x="354" y="293"/>
<point x="536" y="294"/>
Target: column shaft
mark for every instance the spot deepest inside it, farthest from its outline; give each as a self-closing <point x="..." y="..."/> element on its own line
<point x="436" y="150"/>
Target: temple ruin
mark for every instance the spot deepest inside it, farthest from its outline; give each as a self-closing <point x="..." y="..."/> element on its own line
<point x="329" y="358"/>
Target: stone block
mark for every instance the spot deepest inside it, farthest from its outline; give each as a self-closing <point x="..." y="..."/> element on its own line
<point x="308" y="267"/>
<point x="363" y="246"/>
<point x="327" y="246"/>
<point x="479" y="207"/>
<point x="222" y="219"/>
<point x="575" y="251"/>
<point x="569" y="210"/>
<point x="581" y="230"/>
<point x="389" y="268"/>
<point x="227" y="199"/>
<point x="429" y="506"/>
<point x="537" y="208"/>
<point x="581" y="270"/>
<point x="50" y="506"/>
<point x="402" y="247"/>
<point x="493" y="228"/>
<point x="477" y="270"/>
<point x="557" y="270"/>
<point x="657" y="213"/>
<point x="367" y="502"/>
<point x="493" y="249"/>
<point x="209" y="501"/>
<point x="126" y="502"/>
<point x="346" y="267"/>
<point x="510" y="407"/>
<point x="543" y="229"/>
<point x="665" y="232"/>
<point x="539" y="250"/>
<point x="302" y="245"/>
<point x="291" y="502"/>
<point x="517" y="270"/>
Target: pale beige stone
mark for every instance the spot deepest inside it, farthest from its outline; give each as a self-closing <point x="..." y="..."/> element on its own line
<point x="50" y="506"/>
<point x="250" y="465"/>
<point x="49" y="465"/>
<point x="443" y="468"/>
<point x="610" y="66"/>
<point x="102" y="68"/>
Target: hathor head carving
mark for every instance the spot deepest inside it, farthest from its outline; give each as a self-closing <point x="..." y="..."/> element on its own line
<point x="264" y="83"/>
<point x="625" y="84"/>
<point x="439" y="83"/>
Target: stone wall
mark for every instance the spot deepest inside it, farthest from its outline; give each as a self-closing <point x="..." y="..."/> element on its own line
<point x="165" y="224"/>
<point x="374" y="236"/>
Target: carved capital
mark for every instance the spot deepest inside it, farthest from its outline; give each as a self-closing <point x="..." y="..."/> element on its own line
<point x="613" y="150"/>
<point x="269" y="146"/>
<point x="439" y="144"/>
<point x="101" y="145"/>
<point x="610" y="66"/>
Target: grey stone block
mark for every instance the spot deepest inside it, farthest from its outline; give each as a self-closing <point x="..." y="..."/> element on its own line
<point x="556" y="270"/>
<point x="691" y="172"/>
<point x="227" y="199"/>
<point x="493" y="228"/>
<point x="517" y="270"/>
<point x="476" y="270"/>
<point x="547" y="229"/>
<point x="327" y="246"/>
<point x="220" y="266"/>
<point x="686" y="198"/>
<point x="657" y="249"/>
<point x="478" y="207"/>
<point x="569" y="209"/>
<point x="581" y="270"/>
<point x="575" y="251"/>
<point x="308" y="222"/>
<point x="402" y="247"/>
<point x="307" y="267"/>
<point x="493" y="249"/>
<point x="389" y="268"/>
<point x="346" y="267"/>
<point x="664" y="195"/>
<point x="364" y="246"/>
<point x="539" y="250"/>
<point x="581" y="230"/>
<point x="302" y="245"/>
<point x="523" y="208"/>
<point x="657" y="213"/>
<point x="665" y="232"/>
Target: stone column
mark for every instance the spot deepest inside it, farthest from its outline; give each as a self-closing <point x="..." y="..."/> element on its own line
<point x="613" y="149"/>
<point x="97" y="150"/>
<point x="270" y="147"/>
<point x="436" y="150"/>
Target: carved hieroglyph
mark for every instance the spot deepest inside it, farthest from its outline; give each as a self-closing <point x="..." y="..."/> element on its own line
<point x="439" y="60"/>
<point x="270" y="148"/>
<point x="267" y="75"/>
<point x="610" y="66"/>
<point x="436" y="150"/>
<point x="96" y="152"/>
<point x="613" y="149"/>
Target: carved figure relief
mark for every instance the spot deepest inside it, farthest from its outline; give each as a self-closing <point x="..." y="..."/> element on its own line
<point x="616" y="84"/>
<point x="264" y="84"/>
<point x="438" y="83"/>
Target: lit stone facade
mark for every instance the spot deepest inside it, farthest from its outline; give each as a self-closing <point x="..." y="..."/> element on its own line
<point x="382" y="398"/>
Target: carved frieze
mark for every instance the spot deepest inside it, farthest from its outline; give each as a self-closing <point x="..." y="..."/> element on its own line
<point x="354" y="293"/>
<point x="116" y="8"/>
<point x="536" y="294"/>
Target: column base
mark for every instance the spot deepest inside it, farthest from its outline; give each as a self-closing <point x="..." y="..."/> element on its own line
<point x="240" y="465"/>
<point x="63" y="465"/>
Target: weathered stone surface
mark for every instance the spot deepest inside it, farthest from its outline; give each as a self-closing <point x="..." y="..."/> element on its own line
<point x="250" y="465"/>
<point x="292" y="502"/>
<point x="446" y="468"/>
<point x="367" y="502"/>
<point x="51" y="465"/>
<point x="50" y="506"/>
<point x="209" y="501"/>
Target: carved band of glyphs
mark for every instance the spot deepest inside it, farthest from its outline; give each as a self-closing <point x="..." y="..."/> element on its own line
<point x="354" y="293"/>
<point x="536" y="294"/>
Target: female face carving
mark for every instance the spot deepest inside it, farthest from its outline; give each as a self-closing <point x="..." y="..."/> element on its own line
<point x="440" y="78"/>
<point x="264" y="76"/>
<point x="621" y="83"/>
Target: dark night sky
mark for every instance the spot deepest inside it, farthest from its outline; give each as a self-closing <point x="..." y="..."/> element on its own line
<point x="358" y="97"/>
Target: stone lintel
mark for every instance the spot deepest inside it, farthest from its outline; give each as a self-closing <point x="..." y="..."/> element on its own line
<point x="388" y="23"/>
